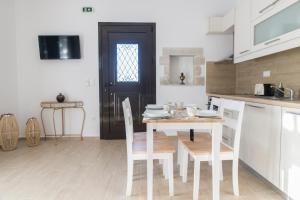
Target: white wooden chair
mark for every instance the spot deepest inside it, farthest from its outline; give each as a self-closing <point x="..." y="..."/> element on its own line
<point x="137" y="150"/>
<point x="141" y="136"/>
<point x="201" y="149"/>
<point x="183" y="136"/>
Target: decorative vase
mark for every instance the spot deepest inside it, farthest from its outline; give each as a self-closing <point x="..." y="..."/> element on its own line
<point x="9" y="132"/>
<point x="182" y="77"/>
<point x="33" y="132"/>
<point x="60" y="98"/>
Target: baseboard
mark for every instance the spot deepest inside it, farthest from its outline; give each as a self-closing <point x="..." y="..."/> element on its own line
<point x="66" y="137"/>
<point x="276" y="189"/>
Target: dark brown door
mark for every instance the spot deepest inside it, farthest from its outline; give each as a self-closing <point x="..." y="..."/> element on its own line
<point x="127" y="69"/>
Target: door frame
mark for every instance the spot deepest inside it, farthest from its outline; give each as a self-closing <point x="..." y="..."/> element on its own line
<point x="101" y="26"/>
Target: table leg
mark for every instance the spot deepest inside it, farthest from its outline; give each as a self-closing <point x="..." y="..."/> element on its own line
<point x="53" y="119"/>
<point x="83" y="121"/>
<point x="62" y="122"/>
<point x="216" y="139"/>
<point x="192" y="135"/>
<point x="150" y="161"/>
<point x="43" y="125"/>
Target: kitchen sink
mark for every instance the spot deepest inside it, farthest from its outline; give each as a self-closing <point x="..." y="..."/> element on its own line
<point x="277" y="98"/>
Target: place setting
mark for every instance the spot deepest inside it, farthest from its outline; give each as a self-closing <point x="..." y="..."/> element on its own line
<point x="177" y="110"/>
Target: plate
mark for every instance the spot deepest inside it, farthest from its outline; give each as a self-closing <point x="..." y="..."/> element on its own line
<point x="154" y="107"/>
<point x="207" y="113"/>
<point x="191" y="105"/>
<point x="156" y="114"/>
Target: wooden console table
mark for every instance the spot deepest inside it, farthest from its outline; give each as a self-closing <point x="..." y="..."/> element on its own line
<point x="53" y="105"/>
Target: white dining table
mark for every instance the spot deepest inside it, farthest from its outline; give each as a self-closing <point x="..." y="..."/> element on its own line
<point x="186" y="123"/>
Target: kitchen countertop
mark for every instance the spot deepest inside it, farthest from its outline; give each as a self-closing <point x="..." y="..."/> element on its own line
<point x="262" y="100"/>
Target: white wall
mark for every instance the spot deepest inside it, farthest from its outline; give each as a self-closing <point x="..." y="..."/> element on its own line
<point x="8" y="67"/>
<point x="179" y="24"/>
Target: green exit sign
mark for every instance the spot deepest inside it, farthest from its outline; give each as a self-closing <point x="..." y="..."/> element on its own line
<point x="87" y="9"/>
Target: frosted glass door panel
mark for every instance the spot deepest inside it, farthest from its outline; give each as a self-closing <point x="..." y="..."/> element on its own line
<point x="127" y="62"/>
<point x="279" y="24"/>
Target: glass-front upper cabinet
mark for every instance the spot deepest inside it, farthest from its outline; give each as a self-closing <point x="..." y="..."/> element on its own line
<point x="285" y="21"/>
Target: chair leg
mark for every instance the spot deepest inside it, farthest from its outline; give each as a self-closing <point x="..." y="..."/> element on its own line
<point x="178" y="152"/>
<point x="184" y="164"/>
<point x="181" y="159"/>
<point x="191" y="159"/>
<point x="196" y="179"/>
<point x="171" y="176"/>
<point x="235" y="177"/>
<point x="221" y="171"/>
<point x="165" y="169"/>
<point x="130" y="163"/>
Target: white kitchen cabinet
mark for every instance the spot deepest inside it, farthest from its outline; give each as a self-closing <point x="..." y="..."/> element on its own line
<point x="290" y="153"/>
<point x="228" y="21"/>
<point x="222" y="25"/>
<point x="260" y="140"/>
<point x="242" y="28"/>
<point x="276" y="30"/>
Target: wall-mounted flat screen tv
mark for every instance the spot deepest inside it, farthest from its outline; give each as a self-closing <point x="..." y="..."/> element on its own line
<point x="59" y="47"/>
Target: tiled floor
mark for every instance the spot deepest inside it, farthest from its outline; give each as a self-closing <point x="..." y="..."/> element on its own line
<point x="92" y="170"/>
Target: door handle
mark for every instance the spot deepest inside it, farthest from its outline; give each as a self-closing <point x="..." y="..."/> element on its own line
<point x="109" y="84"/>
<point x="244" y="51"/>
<point x="253" y="106"/>
<point x="269" y="6"/>
<point x="293" y="113"/>
<point x="225" y="138"/>
<point x="272" y="41"/>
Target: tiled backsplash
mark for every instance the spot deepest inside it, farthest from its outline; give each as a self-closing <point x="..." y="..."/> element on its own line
<point x="284" y="67"/>
<point x="220" y="78"/>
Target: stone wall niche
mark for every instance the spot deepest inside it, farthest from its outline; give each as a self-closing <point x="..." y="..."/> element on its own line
<point x="182" y="60"/>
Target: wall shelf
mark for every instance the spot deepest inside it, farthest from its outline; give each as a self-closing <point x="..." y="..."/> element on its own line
<point x="182" y="60"/>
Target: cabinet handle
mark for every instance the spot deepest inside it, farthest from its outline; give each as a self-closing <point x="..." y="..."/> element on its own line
<point x="244" y="51"/>
<point x="269" y="6"/>
<point x="272" y="41"/>
<point x="226" y="113"/>
<point x="253" y="106"/>
<point x="293" y="113"/>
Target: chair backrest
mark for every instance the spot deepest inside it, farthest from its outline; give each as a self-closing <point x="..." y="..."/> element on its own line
<point x="128" y="124"/>
<point x="233" y="123"/>
<point x="215" y="104"/>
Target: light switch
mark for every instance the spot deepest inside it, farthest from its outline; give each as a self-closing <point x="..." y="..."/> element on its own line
<point x="267" y="74"/>
<point x="92" y="82"/>
<point x="87" y="83"/>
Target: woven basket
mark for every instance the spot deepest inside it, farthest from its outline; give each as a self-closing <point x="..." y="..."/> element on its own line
<point x="9" y="132"/>
<point x="33" y="132"/>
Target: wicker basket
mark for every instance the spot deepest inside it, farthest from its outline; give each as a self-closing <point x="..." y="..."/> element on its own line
<point x="33" y="132"/>
<point x="9" y="132"/>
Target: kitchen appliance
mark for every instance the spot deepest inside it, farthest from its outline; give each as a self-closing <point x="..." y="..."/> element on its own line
<point x="279" y="93"/>
<point x="264" y="89"/>
<point x="213" y="104"/>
